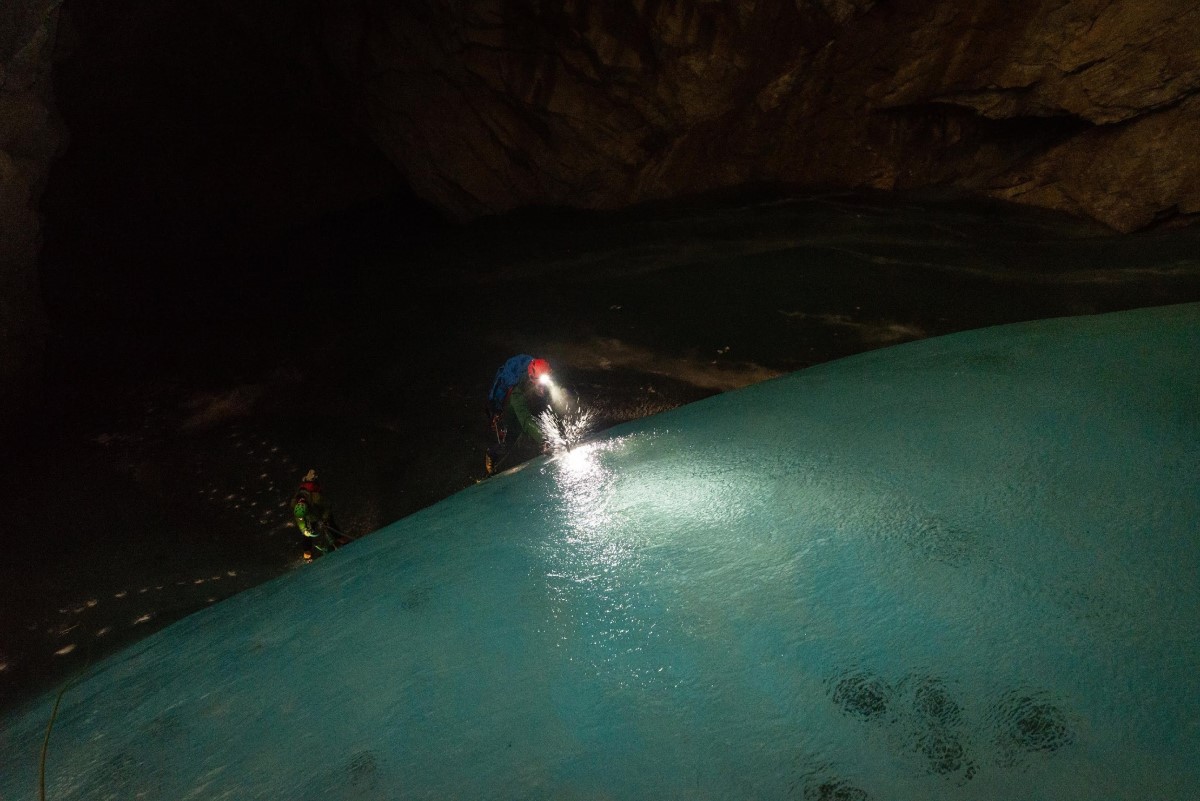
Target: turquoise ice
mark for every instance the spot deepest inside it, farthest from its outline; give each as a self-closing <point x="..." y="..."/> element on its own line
<point x="961" y="568"/>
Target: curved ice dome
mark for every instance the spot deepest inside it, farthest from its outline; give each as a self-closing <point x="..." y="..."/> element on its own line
<point x="959" y="568"/>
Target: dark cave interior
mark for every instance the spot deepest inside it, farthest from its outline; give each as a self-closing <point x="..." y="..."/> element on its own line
<point x="247" y="192"/>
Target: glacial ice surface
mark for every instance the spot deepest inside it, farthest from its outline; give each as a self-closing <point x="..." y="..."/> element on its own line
<point x="961" y="568"/>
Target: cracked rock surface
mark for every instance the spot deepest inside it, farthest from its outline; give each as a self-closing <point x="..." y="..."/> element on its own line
<point x="1086" y="106"/>
<point x="195" y="128"/>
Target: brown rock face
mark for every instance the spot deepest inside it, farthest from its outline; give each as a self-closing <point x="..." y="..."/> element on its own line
<point x="196" y="124"/>
<point x="29" y="135"/>
<point x="1084" y="105"/>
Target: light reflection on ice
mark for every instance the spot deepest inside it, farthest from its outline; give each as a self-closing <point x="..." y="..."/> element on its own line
<point x="564" y="427"/>
<point x="909" y="575"/>
<point x="599" y="600"/>
<point x="582" y="481"/>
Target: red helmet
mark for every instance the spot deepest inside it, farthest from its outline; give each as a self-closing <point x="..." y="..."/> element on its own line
<point x="538" y="368"/>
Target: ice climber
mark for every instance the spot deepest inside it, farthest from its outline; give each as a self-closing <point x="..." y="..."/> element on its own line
<point x="520" y="392"/>
<point x="312" y="517"/>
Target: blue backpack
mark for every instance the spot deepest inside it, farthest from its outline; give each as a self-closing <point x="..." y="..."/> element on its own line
<point x="507" y="377"/>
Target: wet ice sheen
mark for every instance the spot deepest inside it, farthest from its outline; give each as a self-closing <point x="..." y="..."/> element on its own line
<point x="960" y="568"/>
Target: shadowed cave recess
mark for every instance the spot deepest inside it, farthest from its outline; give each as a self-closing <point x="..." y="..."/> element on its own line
<point x="160" y="143"/>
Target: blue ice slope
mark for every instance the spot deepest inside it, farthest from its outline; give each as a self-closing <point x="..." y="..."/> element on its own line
<point x="963" y="568"/>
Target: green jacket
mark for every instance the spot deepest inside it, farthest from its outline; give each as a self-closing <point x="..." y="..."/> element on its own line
<point x="310" y="513"/>
<point x="525" y="405"/>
